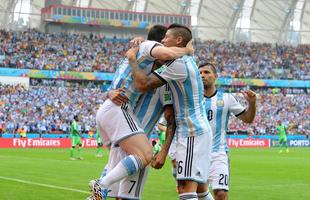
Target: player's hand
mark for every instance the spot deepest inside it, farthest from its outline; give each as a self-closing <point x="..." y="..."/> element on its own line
<point x="132" y="53"/>
<point x="118" y="96"/>
<point x="190" y="47"/>
<point x="159" y="160"/>
<point x="136" y="41"/>
<point x="249" y="95"/>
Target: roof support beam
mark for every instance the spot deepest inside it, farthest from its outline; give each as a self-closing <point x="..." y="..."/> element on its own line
<point x="302" y="14"/>
<point x="146" y="5"/>
<point x="9" y="14"/>
<point x="286" y="22"/>
<point x="231" y="29"/>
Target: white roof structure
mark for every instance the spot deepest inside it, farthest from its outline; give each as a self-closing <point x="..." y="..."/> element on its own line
<point x="272" y="21"/>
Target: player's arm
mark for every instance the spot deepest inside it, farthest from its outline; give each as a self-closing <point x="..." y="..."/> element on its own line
<point x="160" y="158"/>
<point x="116" y="96"/>
<point x="142" y="81"/>
<point x="249" y="114"/>
<point x="170" y="53"/>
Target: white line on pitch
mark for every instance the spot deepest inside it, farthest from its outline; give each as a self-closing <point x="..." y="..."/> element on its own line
<point x="43" y="185"/>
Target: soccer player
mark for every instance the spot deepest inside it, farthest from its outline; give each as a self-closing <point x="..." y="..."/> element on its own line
<point x="192" y="127"/>
<point x="219" y="105"/>
<point x="149" y="108"/>
<point x="281" y="130"/>
<point x="119" y="126"/>
<point x="76" y="141"/>
<point x="156" y="147"/>
<point x="99" y="144"/>
<point x="162" y="130"/>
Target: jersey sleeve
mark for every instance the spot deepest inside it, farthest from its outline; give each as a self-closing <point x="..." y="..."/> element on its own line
<point x="172" y="71"/>
<point x="145" y="49"/>
<point x="165" y="95"/>
<point x="234" y="106"/>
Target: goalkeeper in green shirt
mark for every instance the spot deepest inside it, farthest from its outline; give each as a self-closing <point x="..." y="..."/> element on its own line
<point x="75" y="139"/>
<point x="99" y="144"/>
<point x="281" y="130"/>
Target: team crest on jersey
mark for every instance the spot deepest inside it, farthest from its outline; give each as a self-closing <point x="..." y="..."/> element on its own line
<point x="140" y="60"/>
<point x="219" y="103"/>
<point x="161" y="69"/>
<point x="167" y="96"/>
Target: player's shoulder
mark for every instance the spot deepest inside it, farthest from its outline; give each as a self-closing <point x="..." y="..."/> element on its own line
<point x="228" y="95"/>
<point x="178" y="61"/>
<point x="148" y="44"/>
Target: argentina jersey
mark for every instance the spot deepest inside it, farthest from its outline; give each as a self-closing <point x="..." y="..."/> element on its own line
<point x="150" y="107"/>
<point x="123" y="77"/>
<point x="218" y="108"/>
<point x="186" y="87"/>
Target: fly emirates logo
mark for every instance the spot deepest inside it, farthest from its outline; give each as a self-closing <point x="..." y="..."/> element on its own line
<point x="248" y="143"/>
<point x="35" y="143"/>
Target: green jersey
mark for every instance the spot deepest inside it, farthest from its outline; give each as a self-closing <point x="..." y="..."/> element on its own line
<point x="156" y="149"/>
<point x="281" y="131"/>
<point x="98" y="137"/>
<point x="74" y="129"/>
<point x="74" y="133"/>
<point x="162" y="137"/>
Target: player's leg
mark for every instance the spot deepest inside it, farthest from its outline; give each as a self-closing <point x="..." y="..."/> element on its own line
<point x="73" y="144"/>
<point x="139" y="156"/>
<point x="281" y="141"/>
<point x="132" y="186"/>
<point x="122" y="129"/>
<point x="285" y="145"/>
<point x="99" y="150"/>
<point x="193" y="162"/>
<point x="79" y="147"/>
<point x="203" y="192"/>
<point x="72" y="152"/>
<point x="219" y="175"/>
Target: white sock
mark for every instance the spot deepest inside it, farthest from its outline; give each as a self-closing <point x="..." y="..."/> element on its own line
<point x="205" y="196"/>
<point x="126" y="167"/>
<point x="188" y="196"/>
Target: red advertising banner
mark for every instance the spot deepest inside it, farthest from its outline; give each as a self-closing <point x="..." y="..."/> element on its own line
<point x="248" y="142"/>
<point x="42" y="143"/>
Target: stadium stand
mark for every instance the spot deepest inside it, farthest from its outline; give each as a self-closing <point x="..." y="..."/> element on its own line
<point x="39" y="113"/>
<point x="95" y="53"/>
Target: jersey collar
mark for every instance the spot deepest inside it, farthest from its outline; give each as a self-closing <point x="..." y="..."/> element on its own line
<point x="211" y="95"/>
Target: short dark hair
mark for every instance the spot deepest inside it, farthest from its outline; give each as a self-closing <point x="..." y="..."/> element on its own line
<point x="76" y="118"/>
<point x="183" y="31"/>
<point x="157" y="33"/>
<point x="213" y="68"/>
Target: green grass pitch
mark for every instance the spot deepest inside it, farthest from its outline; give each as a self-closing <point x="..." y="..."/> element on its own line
<point x="48" y="174"/>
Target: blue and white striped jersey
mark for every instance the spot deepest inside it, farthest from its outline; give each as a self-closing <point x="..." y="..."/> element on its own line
<point x="186" y="87"/>
<point x="123" y="77"/>
<point x="150" y="107"/>
<point x="218" y="108"/>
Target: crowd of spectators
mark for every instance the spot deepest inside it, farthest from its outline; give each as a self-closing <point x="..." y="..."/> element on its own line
<point x="293" y="110"/>
<point x="49" y="108"/>
<point x="95" y="53"/>
<point x="257" y="60"/>
<point x="68" y="52"/>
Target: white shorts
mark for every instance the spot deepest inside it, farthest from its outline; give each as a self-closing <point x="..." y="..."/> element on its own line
<point x="193" y="157"/>
<point x="116" y="123"/>
<point x="172" y="150"/>
<point x="132" y="186"/>
<point x="219" y="171"/>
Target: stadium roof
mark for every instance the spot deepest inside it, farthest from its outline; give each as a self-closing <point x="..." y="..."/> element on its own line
<point x="282" y="21"/>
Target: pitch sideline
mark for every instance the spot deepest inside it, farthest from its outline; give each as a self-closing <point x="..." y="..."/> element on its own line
<point x="44" y="185"/>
